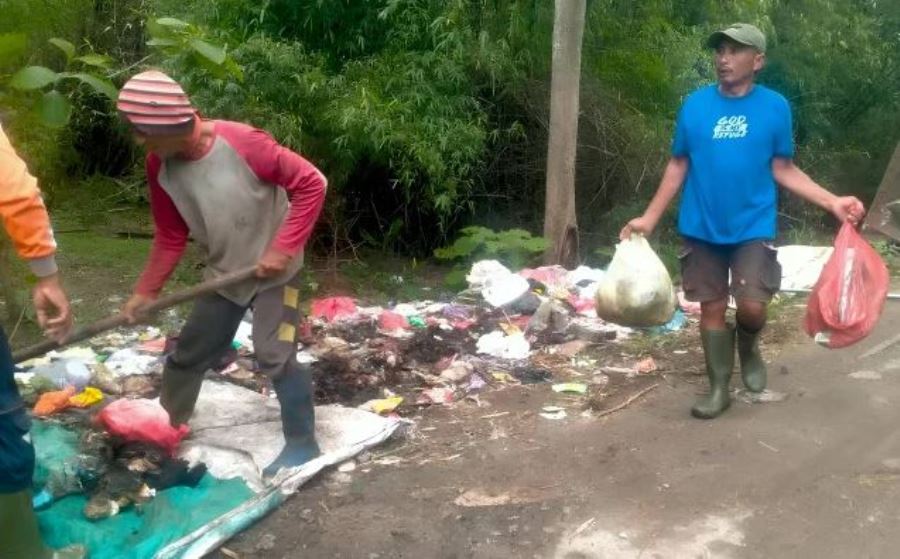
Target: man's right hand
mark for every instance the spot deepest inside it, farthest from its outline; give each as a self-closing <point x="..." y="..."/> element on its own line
<point x="641" y="225"/>
<point x="133" y="307"/>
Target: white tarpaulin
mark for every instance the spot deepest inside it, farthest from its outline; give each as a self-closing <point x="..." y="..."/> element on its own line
<point x="237" y="432"/>
<point x="801" y="265"/>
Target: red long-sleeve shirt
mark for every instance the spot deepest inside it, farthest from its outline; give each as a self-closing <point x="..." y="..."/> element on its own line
<point x="269" y="163"/>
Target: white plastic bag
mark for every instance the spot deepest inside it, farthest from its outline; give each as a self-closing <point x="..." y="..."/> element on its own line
<point x="637" y="289"/>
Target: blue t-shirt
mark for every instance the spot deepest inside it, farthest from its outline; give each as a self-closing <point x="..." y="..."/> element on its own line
<point x="730" y="194"/>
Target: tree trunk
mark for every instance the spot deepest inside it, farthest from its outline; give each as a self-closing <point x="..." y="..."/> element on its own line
<point x="560" y="222"/>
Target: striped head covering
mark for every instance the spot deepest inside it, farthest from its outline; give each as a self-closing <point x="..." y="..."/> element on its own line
<point x="155" y="105"/>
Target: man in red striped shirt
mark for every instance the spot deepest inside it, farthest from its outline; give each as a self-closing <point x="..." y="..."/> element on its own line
<point x="246" y="200"/>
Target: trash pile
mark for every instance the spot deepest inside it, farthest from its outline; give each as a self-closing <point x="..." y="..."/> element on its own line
<point x="381" y="359"/>
<point x="500" y="330"/>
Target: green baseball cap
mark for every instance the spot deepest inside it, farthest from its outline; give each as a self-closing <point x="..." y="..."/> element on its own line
<point x="742" y="33"/>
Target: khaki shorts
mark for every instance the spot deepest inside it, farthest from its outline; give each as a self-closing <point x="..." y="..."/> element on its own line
<point x="755" y="271"/>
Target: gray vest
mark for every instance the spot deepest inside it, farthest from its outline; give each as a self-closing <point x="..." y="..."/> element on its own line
<point x="231" y="214"/>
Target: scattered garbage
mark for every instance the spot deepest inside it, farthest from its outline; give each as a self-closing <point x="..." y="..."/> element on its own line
<point x="646" y="366"/>
<point x="679" y="322"/>
<point x="390" y="321"/>
<point x="504" y="289"/>
<point x="532" y="375"/>
<point x="570" y="388"/>
<point x="53" y="402"/>
<point x="552" y="278"/>
<point x="499" y="344"/>
<point x="87" y="398"/>
<point x="383" y="406"/>
<point x="439" y="395"/>
<point x="551" y="316"/>
<point x="636" y="289"/>
<point x="476" y="383"/>
<point x="128" y="361"/>
<point x="484" y="269"/>
<point x="457" y="372"/>
<point x="65" y="372"/>
<point x="332" y="308"/>
<point x="553" y="412"/>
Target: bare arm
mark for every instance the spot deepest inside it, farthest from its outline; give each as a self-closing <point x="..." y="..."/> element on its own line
<point x="672" y="180"/>
<point x="793" y="179"/>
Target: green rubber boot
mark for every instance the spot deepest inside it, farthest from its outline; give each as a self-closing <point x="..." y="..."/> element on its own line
<point x="753" y="368"/>
<point x="718" y="348"/>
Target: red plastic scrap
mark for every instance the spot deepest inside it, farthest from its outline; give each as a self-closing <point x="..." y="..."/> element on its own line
<point x="581" y="305"/>
<point x="392" y="321"/>
<point x="551" y="276"/>
<point x="333" y="308"/>
<point x="142" y="421"/>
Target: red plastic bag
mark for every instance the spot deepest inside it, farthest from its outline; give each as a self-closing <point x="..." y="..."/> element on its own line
<point x="848" y="298"/>
<point x="392" y="321"/>
<point x="142" y="421"/>
<point x="333" y="308"/>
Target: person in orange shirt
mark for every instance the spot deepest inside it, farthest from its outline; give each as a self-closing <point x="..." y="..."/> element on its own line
<point x="28" y="225"/>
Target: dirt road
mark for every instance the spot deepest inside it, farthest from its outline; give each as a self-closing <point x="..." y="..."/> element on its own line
<point x="814" y="475"/>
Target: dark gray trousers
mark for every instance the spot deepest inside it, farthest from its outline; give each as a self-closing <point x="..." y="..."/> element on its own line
<point x="209" y="332"/>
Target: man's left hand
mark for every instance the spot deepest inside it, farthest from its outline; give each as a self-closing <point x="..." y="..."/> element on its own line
<point x="848" y="208"/>
<point x="272" y="263"/>
<point x="53" y="312"/>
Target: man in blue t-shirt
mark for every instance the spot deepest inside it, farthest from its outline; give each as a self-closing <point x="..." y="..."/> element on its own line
<point x="732" y="145"/>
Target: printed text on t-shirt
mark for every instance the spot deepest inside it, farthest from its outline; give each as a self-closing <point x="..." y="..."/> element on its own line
<point x="731" y="127"/>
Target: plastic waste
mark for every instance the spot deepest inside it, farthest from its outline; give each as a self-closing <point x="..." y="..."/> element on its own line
<point x="142" y="421"/>
<point x="527" y="304"/>
<point x="847" y="301"/>
<point x="53" y="402"/>
<point x="333" y="308"/>
<point x="383" y="406"/>
<point x="105" y="380"/>
<point x="552" y="277"/>
<point x="438" y="395"/>
<point x="127" y="362"/>
<point x="484" y="269"/>
<point x="66" y="372"/>
<point x="498" y="344"/>
<point x="553" y="412"/>
<point x="583" y="276"/>
<point x="637" y="289"/>
<point x="88" y="397"/>
<point x="392" y="321"/>
<point x="457" y="371"/>
<point x="244" y="335"/>
<point x="551" y="315"/>
<point x="503" y="289"/>
<point x="570" y="388"/>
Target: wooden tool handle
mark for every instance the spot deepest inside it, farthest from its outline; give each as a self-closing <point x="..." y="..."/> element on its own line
<point x="115" y="321"/>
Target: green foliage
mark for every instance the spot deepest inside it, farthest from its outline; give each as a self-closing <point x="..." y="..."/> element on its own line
<point x="183" y="43"/>
<point x="12" y="46"/>
<point x="429" y="114"/>
<point x="54" y="107"/>
<point x="514" y="247"/>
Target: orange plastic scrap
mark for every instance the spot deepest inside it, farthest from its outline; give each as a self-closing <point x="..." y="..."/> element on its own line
<point x="53" y="402"/>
